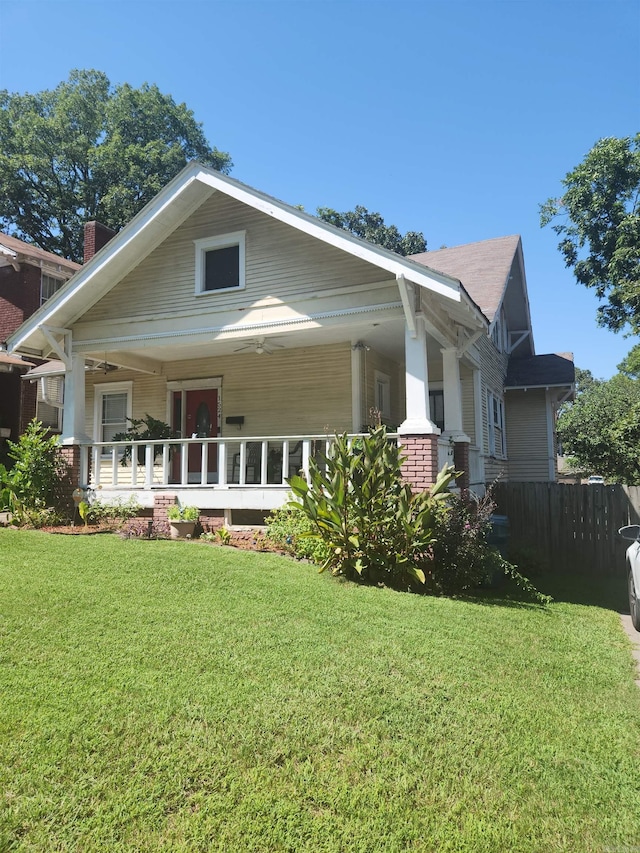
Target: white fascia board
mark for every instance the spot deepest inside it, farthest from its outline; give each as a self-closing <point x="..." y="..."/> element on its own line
<point x="544" y="387"/>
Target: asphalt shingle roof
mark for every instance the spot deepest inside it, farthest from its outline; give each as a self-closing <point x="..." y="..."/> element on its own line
<point x="541" y="371"/>
<point x="483" y="268"/>
<point x="28" y="250"/>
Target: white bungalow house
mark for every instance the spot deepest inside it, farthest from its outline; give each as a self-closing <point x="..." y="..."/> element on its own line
<point x="258" y="331"/>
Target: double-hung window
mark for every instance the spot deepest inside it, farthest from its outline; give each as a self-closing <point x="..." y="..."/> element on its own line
<point x="220" y="263"/>
<point x="112" y="412"/>
<point x="495" y="419"/>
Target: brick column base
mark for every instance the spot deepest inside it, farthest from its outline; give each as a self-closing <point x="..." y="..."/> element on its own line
<point x="161" y="504"/>
<point x="420" y="467"/>
<point x="461" y="463"/>
<point x="71" y="455"/>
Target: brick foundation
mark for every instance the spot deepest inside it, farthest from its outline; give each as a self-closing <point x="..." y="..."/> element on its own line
<point x="420" y="467"/>
<point x="161" y="504"/>
<point x="461" y="463"/>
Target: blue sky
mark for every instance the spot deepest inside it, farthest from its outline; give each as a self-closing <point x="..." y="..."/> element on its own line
<point x="452" y="118"/>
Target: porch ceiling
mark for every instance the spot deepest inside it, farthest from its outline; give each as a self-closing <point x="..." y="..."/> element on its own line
<point x="385" y="336"/>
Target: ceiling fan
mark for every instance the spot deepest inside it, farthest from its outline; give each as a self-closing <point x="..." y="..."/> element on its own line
<point x="259" y="345"/>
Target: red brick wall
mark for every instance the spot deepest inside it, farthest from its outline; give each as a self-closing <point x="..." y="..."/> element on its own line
<point x="19" y="297"/>
<point x="420" y="467"/>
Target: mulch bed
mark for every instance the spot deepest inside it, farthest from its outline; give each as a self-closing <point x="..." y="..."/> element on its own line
<point x="243" y="540"/>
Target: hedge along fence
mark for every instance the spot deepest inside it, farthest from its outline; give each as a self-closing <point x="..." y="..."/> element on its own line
<point x="574" y="528"/>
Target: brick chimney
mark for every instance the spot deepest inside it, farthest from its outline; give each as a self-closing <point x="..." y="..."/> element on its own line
<point x="96" y="235"/>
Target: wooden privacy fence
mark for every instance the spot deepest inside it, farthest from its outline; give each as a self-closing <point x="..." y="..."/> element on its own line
<point x="574" y="528"/>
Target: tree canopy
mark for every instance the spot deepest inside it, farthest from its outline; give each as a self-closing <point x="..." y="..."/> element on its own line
<point x="599" y="228"/>
<point x="371" y="227"/>
<point x="86" y="150"/>
<point x="600" y="429"/>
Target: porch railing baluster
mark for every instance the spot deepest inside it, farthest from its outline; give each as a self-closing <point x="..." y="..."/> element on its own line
<point x="184" y="463"/>
<point x="148" y="464"/>
<point x="285" y="462"/>
<point x="114" y="466"/>
<point x="306" y="448"/>
<point x="165" y="463"/>
<point x="222" y="463"/>
<point x="263" y="463"/>
<point x="94" y="474"/>
<point x="204" y="463"/>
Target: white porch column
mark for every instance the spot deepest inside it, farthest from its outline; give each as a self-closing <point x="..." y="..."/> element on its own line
<point x="452" y="395"/>
<point x="356" y="387"/>
<point x="417" y="421"/>
<point x="73" y="415"/>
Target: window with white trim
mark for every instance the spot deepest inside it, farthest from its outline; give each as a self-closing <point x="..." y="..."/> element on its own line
<point x="49" y="416"/>
<point x="383" y="394"/>
<point x="436" y="407"/>
<point x="48" y="286"/>
<point x="112" y="410"/>
<point x="50" y="402"/>
<point x="495" y="420"/>
<point x="220" y="263"/>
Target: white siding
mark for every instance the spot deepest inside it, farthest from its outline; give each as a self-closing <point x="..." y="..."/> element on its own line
<point x="280" y="261"/>
<point x="527" y="435"/>
<point x="292" y="392"/>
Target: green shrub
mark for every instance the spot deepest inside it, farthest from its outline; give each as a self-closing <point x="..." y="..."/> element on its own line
<point x="377" y="531"/>
<point x="375" y="528"/>
<point x="290" y="529"/>
<point x="462" y="557"/>
<point x="109" y="512"/>
<point x="36" y="488"/>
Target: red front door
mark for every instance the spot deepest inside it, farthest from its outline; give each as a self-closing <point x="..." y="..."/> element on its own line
<point x="199" y="420"/>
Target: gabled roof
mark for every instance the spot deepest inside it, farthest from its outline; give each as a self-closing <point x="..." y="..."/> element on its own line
<point x="178" y="200"/>
<point x="14" y="251"/>
<point x="541" y="371"/>
<point x="482" y="267"/>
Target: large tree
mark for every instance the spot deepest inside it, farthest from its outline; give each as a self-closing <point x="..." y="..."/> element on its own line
<point x="86" y="150"/>
<point x="598" y="221"/>
<point x="371" y="227"/>
<point x="600" y="429"/>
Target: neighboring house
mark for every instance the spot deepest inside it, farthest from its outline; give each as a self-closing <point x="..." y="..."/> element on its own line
<point x="256" y="331"/>
<point x="28" y="277"/>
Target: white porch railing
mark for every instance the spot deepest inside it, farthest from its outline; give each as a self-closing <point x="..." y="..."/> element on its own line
<point x="253" y="462"/>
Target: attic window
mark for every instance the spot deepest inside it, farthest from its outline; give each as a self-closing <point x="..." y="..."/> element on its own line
<point x="48" y="286"/>
<point x="220" y="263"/>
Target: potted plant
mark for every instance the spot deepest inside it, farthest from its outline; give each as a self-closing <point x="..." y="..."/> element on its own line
<point x="182" y="520"/>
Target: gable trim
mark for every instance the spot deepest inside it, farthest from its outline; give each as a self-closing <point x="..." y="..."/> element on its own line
<point x="178" y="200"/>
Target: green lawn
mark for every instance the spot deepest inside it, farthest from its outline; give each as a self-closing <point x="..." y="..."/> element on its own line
<point x="177" y="696"/>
